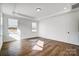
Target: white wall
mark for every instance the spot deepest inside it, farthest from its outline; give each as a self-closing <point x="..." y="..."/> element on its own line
<point x="57" y="28"/>
<point x="24" y="26"/>
<point x="5" y="29"/>
<point x="0" y="30"/>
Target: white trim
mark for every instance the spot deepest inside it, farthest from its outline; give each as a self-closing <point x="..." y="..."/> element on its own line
<point x="55" y="14"/>
<point x="59" y="40"/>
<point x="60" y="13"/>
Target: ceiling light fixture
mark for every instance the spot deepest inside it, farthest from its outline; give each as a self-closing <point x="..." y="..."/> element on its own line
<point x="38" y="9"/>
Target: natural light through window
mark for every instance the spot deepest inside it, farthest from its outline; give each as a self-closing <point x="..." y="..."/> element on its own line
<point x="13" y="30"/>
<point x="1" y="25"/>
<point x="39" y="45"/>
<point x="34" y="27"/>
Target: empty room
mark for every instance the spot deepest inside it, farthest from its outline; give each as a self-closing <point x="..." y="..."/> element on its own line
<point x="39" y="29"/>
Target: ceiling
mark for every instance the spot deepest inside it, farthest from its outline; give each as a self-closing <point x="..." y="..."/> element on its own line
<point x="29" y="9"/>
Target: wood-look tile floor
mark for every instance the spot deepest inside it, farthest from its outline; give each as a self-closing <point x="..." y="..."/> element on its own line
<point x="39" y="47"/>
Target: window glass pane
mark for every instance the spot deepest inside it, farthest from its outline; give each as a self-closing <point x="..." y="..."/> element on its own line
<point x="34" y="27"/>
<point x="12" y="23"/>
<point x="34" y="30"/>
<point x="13" y="30"/>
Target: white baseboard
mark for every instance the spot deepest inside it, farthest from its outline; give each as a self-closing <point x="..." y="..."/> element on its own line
<point x="60" y="41"/>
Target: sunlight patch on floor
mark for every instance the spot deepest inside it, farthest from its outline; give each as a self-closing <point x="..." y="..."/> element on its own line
<point x="38" y="46"/>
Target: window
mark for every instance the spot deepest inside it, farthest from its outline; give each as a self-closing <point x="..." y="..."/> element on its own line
<point x="34" y="27"/>
<point x="12" y="25"/>
<point x="1" y="25"/>
<point x="13" y="29"/>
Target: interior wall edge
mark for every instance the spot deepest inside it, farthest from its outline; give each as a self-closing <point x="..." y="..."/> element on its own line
<point x="59" y="40"/>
